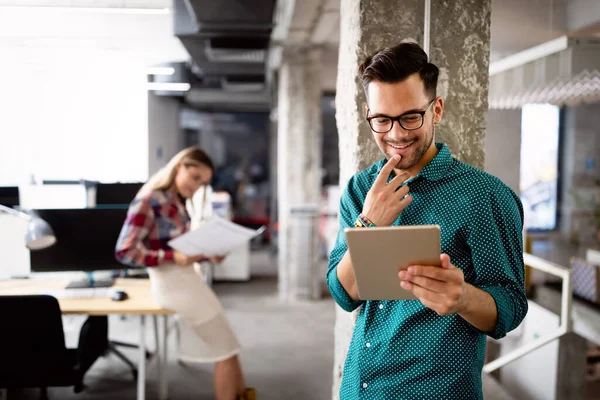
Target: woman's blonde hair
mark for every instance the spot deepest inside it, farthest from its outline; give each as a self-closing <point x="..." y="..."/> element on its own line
<point x="165" y="177"/>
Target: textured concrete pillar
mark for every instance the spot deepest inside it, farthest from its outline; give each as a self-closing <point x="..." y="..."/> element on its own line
<point x="460" y="36"/>
<point x="299" y="133"/>
<point x="580" y="170"/>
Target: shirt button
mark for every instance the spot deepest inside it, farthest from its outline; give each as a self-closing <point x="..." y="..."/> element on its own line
<point x="365" y="385"/>
<point x="381" y="306"/>
<point x="368" y="344"/>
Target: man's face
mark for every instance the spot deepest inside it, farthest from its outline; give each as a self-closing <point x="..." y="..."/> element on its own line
<point x="395" y="99"/>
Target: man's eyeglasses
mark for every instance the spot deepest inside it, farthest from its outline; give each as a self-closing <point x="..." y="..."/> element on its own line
<point x="410" y="121"/>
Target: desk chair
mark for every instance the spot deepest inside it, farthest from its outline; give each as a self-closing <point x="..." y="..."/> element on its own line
<point x="32" y="346"/>
<point x="94" y="337"/>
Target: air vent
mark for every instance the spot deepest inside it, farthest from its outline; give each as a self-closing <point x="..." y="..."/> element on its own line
<point x="243" y="83"/>
<point x="236" y="49"/>
<point x="236" y="55"/>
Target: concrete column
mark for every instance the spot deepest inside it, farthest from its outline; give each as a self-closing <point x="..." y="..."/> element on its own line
<point x="580" y="168"/>
<point x="299" y="135"/>
<point x="503" y="146"/>
<point x="460" y="36"/>
<point x="572" y="350"/>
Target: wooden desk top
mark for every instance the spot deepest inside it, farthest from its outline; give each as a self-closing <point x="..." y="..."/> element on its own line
<point x="139" y="302"/>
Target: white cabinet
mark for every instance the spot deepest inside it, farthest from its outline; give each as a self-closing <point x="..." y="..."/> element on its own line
<point x="206" y="203"/>
<point x="235" y="267"/>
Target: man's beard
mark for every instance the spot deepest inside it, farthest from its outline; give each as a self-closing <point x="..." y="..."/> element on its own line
<point x="419" y="148"/>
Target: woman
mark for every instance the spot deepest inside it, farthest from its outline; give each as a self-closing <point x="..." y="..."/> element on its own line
<point x="157" y="215"/>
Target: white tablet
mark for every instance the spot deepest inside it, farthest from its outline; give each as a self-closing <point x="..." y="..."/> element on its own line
<point x="379" y="253"/>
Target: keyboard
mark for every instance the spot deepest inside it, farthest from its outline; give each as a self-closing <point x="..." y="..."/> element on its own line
<point x="83" y="293"/>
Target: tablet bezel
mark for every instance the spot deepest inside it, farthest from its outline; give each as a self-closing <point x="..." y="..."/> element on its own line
<point x="379" y="253"/>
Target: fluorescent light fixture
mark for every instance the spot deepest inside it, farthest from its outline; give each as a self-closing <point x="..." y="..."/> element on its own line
<point x="169" y="86"/>
<point x="531" y="54"/>
<point x="161" y="71"/>
<point x="100" y="10"/>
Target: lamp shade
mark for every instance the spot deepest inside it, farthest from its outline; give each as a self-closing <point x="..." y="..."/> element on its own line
<point x="39" y="234"/>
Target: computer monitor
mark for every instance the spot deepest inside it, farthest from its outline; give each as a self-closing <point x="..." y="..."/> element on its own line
<point x="116" y="193"/>
<point x="85" y="241"/>
<point x="9" y="196"/>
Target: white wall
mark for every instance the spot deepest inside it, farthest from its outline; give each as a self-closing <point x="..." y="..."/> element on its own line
<point x="581" y="13"/>
<point x="14" y="256"/>
<point x="165" y="138"/>
<point x="74" y="98"/>
<point x="503" y="146"/>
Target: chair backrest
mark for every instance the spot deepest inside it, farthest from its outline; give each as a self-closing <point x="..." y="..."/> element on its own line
<point x="32" y="341"/>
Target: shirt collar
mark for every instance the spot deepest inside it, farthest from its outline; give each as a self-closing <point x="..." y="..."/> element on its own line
<point x="435" y="170"/>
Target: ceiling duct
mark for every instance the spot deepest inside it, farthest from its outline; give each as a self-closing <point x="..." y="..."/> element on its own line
<point x="228" y="41"/>
<point x="254" y="83"/>
<point x="196" y="47"/>
<point x="212" y="16"/>
<point x="233" y="49"/>
<point x="564" y="71"/>
<point x="220" y="100"/>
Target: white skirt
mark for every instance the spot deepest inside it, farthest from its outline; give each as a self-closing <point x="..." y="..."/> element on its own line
<point x="205" y="334"/>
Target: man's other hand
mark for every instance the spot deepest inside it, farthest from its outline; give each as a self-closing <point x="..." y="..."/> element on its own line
<point x="385" y="201"/>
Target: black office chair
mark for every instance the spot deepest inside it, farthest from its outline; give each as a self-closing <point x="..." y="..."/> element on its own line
<point x="32" y="346"/>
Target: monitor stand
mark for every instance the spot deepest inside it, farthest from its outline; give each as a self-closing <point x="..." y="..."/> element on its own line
<point x="88" y="283"/>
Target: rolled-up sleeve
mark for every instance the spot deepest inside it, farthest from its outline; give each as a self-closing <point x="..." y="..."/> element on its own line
<point x="496" y="243"/>
<point x="131" y="249"/>
<point x="348" y="214"/>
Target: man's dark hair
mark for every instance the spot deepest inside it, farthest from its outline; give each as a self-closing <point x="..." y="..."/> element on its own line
<point x="395" y="64"/>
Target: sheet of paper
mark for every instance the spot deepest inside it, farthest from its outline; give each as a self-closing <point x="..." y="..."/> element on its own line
<point x="216" y="236"/>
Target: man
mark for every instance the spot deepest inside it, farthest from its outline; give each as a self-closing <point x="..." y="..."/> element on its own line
<point x="433" y="347"/>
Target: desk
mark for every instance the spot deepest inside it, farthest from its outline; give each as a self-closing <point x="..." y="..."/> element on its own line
<point x="140" y="302"/>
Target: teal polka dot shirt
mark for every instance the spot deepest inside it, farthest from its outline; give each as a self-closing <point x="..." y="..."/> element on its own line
<point x="402" y="349"/>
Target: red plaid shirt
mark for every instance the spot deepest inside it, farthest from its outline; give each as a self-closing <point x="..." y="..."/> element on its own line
<point x="152" y="221"/>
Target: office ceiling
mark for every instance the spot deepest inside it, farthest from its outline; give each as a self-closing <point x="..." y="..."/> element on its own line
<point x="235" y="45"/>
<point x="228" y="43"/>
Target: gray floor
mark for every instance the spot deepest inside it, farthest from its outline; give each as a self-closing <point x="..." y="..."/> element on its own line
<point x="288" y="349"/>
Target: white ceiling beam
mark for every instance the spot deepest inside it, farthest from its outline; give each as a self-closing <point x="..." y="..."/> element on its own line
<point x="531" y="54"/>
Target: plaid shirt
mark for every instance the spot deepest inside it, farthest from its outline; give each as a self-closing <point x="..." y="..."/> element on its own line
<point x="152" y="221"/>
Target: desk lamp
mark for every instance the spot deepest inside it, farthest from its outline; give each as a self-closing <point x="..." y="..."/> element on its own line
<point x="39" y="234"/>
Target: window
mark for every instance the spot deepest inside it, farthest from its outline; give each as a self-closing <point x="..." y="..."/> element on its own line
<point x="71" y="117"/>
<point x="539" y="165"/>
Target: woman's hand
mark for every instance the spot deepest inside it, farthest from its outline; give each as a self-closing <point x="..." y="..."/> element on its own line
<point x="184" y="260"/>
<point x="216" y="259"/>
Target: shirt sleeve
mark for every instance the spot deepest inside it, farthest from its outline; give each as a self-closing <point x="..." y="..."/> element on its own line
<point x="130" y="248"/>
<point x="496" y="243"/>
<point x="339" y="294"/>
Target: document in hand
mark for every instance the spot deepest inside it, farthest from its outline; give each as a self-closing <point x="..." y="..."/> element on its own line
<point x="215" y="236"/>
